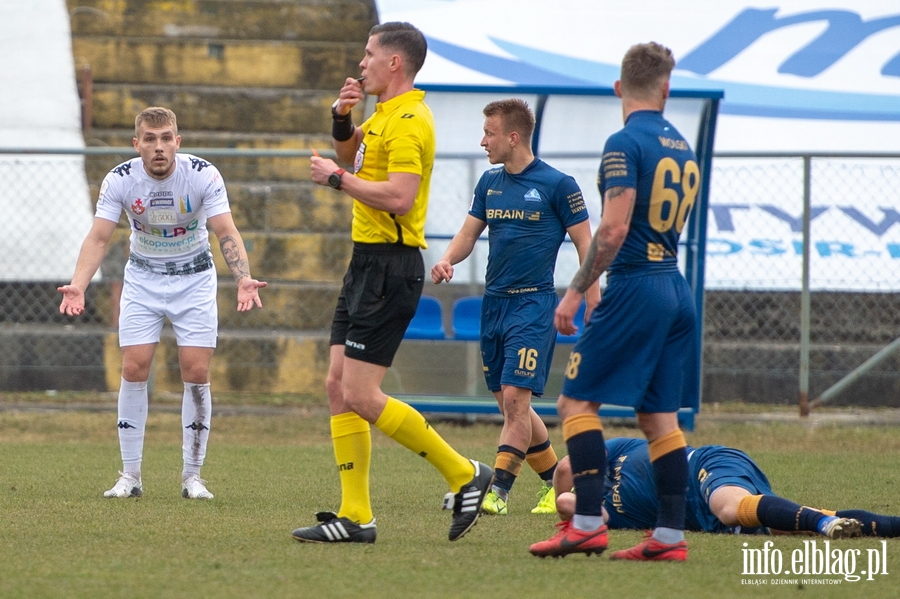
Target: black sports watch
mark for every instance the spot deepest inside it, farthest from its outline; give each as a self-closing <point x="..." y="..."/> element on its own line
<point x="334" y="179"/>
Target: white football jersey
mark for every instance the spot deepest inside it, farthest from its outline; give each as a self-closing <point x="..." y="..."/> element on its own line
<point x="167" y="217"/>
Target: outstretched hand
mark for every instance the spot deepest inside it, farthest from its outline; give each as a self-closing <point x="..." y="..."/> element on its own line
<point x="248" y="294"/>
<point x="72" y="302"/>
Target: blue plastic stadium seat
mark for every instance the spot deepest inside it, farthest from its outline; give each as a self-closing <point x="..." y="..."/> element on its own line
<point x="467" y="319"/>
<point x="579" y="322"/>
<point x="428" y="323"/>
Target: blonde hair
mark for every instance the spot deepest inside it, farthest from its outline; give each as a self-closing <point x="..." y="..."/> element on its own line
<point x="155" y="117"/>
<point x="515" y="115"/>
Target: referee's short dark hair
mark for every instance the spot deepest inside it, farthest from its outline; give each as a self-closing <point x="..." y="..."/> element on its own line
<point x="406" y="39"/>
<point x="515" y="115"/>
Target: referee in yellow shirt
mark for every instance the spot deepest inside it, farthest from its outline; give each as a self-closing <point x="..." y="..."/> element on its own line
<point x="392" y="155"/>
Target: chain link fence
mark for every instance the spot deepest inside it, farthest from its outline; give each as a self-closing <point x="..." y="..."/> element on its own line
<point x="757" y="346"/>
<point x="755" y="336"/>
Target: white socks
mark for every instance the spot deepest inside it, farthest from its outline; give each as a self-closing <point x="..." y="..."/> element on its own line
<point x="670" y="536"/>
<point x="132" y="422"/>
<point x="587" y="523"/>
<point x="196" y="413"/>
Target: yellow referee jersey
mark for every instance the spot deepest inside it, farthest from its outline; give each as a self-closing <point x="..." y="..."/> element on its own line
<point x="398" y="138"/>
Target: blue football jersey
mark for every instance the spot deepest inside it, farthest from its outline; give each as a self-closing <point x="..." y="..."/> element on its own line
<point x="630" y="496"/>
<point x="527" y="216"/>
<point x="650" y="156"/>
<point x="630" y="492"/>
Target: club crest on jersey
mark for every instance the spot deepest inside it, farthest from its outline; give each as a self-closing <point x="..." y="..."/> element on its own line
<point x="360" y="156"/>
<point x="137" y="206"/>
<point x="532" y="195"/>
<point x="184" y="203"/>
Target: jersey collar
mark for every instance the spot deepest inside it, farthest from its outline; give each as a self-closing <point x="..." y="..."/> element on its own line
<point x="392" y="104"/>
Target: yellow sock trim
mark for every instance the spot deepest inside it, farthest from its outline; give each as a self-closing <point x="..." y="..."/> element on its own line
<point x="408" y="427"/>
<point x="348" y="424"/>
<point x="392" y="416"/>
<point x="747" y="511"/>
<point x="543" y="460"/>
<point x="575" y="425"/>
<point x="666" y="444"/>
<point x="509" y="462"/>
<point x="352" y="441"/>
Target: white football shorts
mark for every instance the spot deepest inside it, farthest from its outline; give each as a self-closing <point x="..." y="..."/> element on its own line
<point x="188" y="301"/>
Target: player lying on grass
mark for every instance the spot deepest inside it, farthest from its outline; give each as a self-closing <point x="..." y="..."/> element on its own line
<point x="727" y="493"/>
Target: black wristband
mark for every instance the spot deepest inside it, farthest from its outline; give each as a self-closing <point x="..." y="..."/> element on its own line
<point x="342" y="130"/>
<point x="339" y="117"/>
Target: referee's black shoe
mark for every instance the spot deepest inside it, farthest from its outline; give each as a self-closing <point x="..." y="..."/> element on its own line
<point x="466" y="504"/>
<point x="332" y="529"/>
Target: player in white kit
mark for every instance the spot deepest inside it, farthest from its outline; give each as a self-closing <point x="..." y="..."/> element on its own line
<point x="169" y="199"/>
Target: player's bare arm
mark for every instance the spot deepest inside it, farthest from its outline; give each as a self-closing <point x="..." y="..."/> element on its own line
<point x="237" y="263"/>
<point x="618" y="207"/>
<point x="235" y="254"/>
<point x="580" y="234"/>
<point x="460" y="248"/>
<point x="614" y="224"/>
<point x="89" y="258"/>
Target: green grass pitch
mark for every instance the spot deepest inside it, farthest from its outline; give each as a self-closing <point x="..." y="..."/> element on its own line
<point x="60" y="538"/>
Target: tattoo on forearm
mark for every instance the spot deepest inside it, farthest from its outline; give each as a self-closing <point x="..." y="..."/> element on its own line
<point x="601" y="252"/>
<point x="630" y="212"/>
<point x="581" y="281"/>
<point x="614" y="192"/>
<point x="599" y="256"/>
<point x="231" y="250"/>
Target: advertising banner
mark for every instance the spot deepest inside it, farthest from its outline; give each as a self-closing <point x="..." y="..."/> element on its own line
<point x="799" y="76"/>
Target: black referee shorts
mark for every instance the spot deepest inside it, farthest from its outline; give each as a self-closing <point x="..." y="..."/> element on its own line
<point x="379" y="297"/>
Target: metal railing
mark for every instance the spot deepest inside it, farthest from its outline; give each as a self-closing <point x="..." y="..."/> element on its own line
<point x="802" y="260"/>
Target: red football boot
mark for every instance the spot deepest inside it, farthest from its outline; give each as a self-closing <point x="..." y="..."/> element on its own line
<point x="650" y="550"/>
<point x="569" y="539"/>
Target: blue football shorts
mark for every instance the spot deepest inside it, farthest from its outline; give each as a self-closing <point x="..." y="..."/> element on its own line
<point x="639" y="345"/>
<point x="517" y="340"/>
<point x="714" y="466"/>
